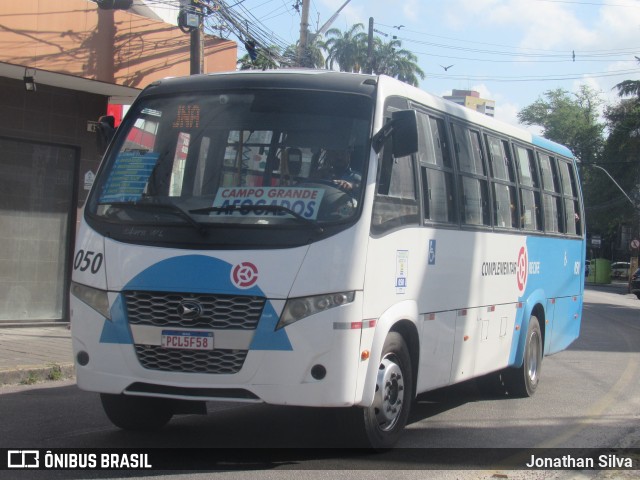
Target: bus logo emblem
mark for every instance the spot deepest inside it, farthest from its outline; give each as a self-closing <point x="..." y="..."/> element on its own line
<point x="522" y="269"/>
<point x="189" y="310"/>
<point x="244" y="275"/>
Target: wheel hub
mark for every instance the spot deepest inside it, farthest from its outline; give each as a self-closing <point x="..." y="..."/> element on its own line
<point x="389" y="397"/>
<point x="534" y="352"/>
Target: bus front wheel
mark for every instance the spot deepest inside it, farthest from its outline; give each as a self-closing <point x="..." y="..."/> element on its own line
<point x="137" y="413"/>
<point x="523" y="381"/>
<point x="385" y="419"/>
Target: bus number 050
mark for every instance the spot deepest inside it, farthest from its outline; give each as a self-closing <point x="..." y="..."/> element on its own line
<point x="85" y="260"/>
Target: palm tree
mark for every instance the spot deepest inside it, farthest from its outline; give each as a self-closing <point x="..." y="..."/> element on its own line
<point x="406" y="69"/>
<point x="390" y="59"/>
<point x="348" y="49"/>
<point x="629" y="87"/>
<point x="312" y="57"/>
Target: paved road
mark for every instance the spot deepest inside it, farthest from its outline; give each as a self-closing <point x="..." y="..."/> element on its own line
<point x="589" y="397"/>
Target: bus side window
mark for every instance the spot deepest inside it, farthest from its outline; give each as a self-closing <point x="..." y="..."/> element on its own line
<point x="435" y="171"/>
<point x="570" y="194"/>
<point x="551" y="195"/>
<point x="468" y="150"/>
<point x="395" y="203"/>
<point x="474" y="202"/>
<point x="475" y="208"/>
<point x="529" y="194"/>
<point x="505" y="203"/>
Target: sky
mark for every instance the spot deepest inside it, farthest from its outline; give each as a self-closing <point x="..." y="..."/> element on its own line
<point x="510" y="51"/>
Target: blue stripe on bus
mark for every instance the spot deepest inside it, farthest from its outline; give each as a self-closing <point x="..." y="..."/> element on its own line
<point x="555" y="280"/>
<point x="551" y="145"/>
<point x="194" y="274"/>
<point x="117" y="330"/>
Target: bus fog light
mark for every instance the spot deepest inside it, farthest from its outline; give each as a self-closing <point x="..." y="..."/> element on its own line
<point x="318" y="372"/>
<point x="82" y="358"/>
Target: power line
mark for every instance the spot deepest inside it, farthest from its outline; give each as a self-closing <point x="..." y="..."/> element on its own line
<point x="510" y="50"/>
<point x="243" y="23"/>
<point x="601" y="4"/>
<point x="246" y="27"/>
<point x="541" y="78"/>
<point x="515" y="55"/>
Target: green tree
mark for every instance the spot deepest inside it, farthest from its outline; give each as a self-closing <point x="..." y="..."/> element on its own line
<point x="621" y="159"/>
<point x="573" y="120"/>
<point x="266" y="59"/>
<point x="391" y="59"/>
<point x="349" y="50"/>
<point x="312" y="57"/>
<point x="346" y="49"/>
<point x="629" y="88"/>
<point x="569" y="119"/>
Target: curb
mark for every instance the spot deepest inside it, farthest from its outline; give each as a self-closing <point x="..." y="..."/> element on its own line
<point x="37" y="374"/>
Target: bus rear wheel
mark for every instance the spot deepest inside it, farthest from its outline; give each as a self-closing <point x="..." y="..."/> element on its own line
<point x="137" y="413"/>
<point x="523" y="381"/>
<point x="385" y="419"/>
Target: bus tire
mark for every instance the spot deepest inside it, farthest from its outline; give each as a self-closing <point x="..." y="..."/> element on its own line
<point x="136" y="413"/>
<point x="385" y="419"/>
<point x="523" y="381"/>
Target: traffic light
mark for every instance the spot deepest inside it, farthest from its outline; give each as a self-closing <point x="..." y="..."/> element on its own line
<point x="114" y="4"/>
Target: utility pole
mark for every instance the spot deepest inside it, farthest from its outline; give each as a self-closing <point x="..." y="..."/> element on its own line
<point x="370" y="47"/>
<point x="304" y="33"/>
<point x="197" y="49"/>
<point x="190" y="21"/>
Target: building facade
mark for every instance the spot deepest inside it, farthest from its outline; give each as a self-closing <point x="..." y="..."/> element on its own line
<point x="471" y="99"/>
<point x="80" y="59"/>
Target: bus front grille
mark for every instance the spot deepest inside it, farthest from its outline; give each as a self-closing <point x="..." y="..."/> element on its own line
<point x="220" y="362"/>
<point x="163" y="309"/>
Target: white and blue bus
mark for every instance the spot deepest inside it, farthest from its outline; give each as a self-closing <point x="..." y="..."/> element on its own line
<point x="320" y="239"/>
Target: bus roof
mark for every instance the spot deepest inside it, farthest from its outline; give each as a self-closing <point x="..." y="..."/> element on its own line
<point x="328" y="80"/>
<point x="467" y="114"/>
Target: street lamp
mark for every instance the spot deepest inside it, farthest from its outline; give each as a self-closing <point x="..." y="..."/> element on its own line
<point x="637" y="207"/>
<point x="614" y="181"/>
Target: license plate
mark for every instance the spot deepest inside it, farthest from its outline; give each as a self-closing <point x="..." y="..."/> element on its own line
<point x="187" y="340"/>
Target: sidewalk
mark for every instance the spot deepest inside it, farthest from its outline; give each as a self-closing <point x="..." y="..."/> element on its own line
<point x="32" y="354"/>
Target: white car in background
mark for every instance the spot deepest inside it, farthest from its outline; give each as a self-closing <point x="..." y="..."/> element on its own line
<point x="620" y="270"/>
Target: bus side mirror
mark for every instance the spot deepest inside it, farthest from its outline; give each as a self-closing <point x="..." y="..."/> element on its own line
<point x="403" y="129"/>
<point x="405" y="133"/>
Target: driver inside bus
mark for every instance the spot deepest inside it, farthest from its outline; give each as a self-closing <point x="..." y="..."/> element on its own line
<point x="338" y="170"/>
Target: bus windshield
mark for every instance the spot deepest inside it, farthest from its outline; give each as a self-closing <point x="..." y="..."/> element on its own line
<point x="256" y="157"/>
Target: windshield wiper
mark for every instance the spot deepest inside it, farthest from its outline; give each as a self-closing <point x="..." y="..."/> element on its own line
<point x="268" y="208"/>
<point x="169" y="207"/>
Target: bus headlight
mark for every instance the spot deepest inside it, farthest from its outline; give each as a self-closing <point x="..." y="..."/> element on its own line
<point x="298" y="308"/>
<point x="95" y="298"/>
